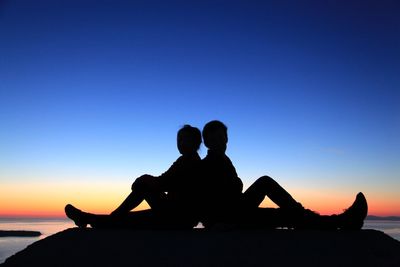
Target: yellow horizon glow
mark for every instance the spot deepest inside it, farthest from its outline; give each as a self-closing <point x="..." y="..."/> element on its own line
<point x="27" y="199"/>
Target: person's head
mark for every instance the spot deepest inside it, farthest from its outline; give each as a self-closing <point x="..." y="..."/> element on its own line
<point x="188" y="139"/>
<point x="215" y="135"/>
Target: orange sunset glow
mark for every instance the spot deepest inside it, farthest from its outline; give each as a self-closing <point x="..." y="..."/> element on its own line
<point x="49" y="200"/>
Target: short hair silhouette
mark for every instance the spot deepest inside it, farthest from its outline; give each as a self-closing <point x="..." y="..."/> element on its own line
<point x="193" y="134"/>
<point x="212" y="127"/>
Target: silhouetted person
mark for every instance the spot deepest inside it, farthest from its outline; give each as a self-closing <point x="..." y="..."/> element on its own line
<point x="171" y="196"/>
<point x="224" y="202"/>
<point x="221" y="186"/>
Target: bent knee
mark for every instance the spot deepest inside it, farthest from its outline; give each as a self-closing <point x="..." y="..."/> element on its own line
<point x="139" y="183"/>
<point x="144" y="182"/>
<point x="265" y="180"/>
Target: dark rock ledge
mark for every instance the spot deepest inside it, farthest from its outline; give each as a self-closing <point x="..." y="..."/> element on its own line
<point x="90" y="247"/>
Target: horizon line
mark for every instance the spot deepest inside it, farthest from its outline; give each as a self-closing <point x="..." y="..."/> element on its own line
<point x="369" y="216"/>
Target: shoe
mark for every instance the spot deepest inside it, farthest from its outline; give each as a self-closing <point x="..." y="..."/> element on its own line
<point x="76" y="215"/>
<point x="353" y="217"/>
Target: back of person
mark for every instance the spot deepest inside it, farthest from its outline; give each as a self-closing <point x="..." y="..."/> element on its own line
<point x="180" y="180"/>
<point x="221" y="187"/>
<point x="223" y="190"/>
<point x="182" y="187"/>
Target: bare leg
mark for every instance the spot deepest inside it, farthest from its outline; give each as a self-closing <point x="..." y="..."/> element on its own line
<point x="267" y="218"/>
<point x="145" y="219"/>
<point x="351" y="219"/>
<point x="266" y="186"/>
<point x="261" y="218"/>
<point x="139" y="219"/>
<point x="141" y="190"/>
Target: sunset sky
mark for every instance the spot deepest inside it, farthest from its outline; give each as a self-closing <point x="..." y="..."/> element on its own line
<point x="92" y="94"/>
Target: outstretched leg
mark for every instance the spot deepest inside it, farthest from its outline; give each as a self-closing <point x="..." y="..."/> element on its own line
<point x="140" y="219"/>
<point x="351" y="219"/>
<point x="293" y="214"/>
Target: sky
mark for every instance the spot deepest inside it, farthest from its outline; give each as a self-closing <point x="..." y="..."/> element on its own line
<point x="92" y="94"/>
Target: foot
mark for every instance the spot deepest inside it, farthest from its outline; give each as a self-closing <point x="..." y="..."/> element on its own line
<point x="353" y="217"/>
<point x="76" y="215"/>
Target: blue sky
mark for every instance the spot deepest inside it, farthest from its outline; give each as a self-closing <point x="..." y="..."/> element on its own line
<point x="97" y="89"/>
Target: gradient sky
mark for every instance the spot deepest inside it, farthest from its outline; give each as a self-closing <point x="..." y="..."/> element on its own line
<point x="92" y="94"/>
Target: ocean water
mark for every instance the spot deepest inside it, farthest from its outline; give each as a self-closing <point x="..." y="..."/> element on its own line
<point x="391" y="228"/>
<point x="10" y="245"/>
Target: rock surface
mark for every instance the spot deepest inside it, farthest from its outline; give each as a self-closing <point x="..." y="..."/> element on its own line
<point x="90" y="247"/>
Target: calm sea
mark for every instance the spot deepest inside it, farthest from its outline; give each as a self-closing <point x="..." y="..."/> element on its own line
<point x="11" y="245"/>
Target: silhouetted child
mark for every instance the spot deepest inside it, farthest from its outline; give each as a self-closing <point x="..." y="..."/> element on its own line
<point x="224" y="202"/>
<point x="221" y="186"/>
<point x="171" y="196"/>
